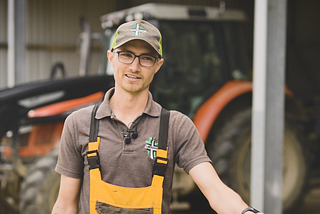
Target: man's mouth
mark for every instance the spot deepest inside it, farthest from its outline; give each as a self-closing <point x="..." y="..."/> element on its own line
<point x="132" y="77"/>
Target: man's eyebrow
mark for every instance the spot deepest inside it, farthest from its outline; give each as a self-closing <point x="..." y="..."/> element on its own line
<point x="148" y="53"/>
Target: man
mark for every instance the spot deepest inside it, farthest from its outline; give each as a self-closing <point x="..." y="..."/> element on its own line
<point x="126" y="142"/>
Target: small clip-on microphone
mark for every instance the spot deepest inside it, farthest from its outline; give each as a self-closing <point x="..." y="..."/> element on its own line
<point x="130" y="133"/>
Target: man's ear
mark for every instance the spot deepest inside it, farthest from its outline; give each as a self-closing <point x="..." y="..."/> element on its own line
<point x="110" y="56"/>
<point x="159" y="64"/>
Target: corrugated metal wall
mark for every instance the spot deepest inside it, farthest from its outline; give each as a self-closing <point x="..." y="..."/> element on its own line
<point x="52" y="30"/>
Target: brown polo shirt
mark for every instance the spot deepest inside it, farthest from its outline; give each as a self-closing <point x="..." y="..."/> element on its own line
<point x="122" y="164"/>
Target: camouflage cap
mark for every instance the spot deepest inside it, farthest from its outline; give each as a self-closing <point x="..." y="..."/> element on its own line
<point x="138" y="29"/>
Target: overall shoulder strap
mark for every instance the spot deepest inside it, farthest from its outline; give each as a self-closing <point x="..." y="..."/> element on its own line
<point x="94" y="125"/>
<point x="93" y="145"/>
<point x="163" y="130"/>
<point x="161" y="162"/>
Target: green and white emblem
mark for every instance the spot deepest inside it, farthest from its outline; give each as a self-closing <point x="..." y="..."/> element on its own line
<point x="137" y="29"/>
<point x="151" y="146"/>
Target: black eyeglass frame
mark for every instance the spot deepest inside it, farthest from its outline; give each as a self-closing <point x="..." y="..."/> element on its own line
<point x="135" y="56"/>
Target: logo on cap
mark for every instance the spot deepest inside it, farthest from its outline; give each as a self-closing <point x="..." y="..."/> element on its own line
<point x="137" y="29"/>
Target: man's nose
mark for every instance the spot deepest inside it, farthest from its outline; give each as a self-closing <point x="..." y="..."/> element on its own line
<point x="135" y="64"/>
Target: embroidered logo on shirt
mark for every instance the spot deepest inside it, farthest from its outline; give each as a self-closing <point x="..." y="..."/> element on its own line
<point x="151" y="146"/>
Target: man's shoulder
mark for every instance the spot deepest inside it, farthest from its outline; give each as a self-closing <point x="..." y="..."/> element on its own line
<point x="178" y="115"/>
<point x="85" y="110"/>
<point x="178" y="119"/>
<point x="82" y="113"/>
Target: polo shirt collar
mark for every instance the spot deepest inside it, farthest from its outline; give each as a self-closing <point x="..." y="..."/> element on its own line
<point x="152" y="109"/>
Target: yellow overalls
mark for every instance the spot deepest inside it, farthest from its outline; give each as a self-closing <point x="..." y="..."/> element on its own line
<point x="124" y="197"/>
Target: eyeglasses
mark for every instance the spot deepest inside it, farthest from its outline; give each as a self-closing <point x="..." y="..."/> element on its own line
<point x="145" y="60"/>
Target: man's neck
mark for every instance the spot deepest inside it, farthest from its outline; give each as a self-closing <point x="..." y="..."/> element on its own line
<point x="127" y="107"/>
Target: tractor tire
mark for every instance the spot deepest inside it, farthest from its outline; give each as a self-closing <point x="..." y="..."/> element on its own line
<point x="8" y="207"/>
<point x="40" y="188"/>
<point x="231" y="156"/>
<point x="9" y="193"/>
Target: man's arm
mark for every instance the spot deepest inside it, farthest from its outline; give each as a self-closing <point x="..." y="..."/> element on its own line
<point x="68" y="198"/>
<point x="221" y="198"/>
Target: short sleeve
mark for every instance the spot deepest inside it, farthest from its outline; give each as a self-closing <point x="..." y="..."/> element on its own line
<point x="70" y="160"/>
<point x="189" y="147"/>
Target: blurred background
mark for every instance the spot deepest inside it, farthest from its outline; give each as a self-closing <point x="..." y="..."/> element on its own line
<point x="54" y="41"/>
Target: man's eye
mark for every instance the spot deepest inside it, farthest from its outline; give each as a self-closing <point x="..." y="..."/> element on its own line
<point x="128" y="55"/>
<point x="147" y="58"/>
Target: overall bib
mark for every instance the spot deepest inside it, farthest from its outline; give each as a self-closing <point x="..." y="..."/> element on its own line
<point x="118" y="199"/>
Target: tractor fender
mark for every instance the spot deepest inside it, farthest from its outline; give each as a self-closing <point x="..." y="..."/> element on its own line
<point x="64" y="106"/>
<point x="211" y="108"/>
<point x="209" y="111"/>
<point x="43" y="137"/>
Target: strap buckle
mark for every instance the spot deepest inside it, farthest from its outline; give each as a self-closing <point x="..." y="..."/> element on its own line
<point x="160" y="166"/>
<point x="93" y="160"/>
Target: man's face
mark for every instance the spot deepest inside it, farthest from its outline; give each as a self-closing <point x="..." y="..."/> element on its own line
<point x="134" y="78"/>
